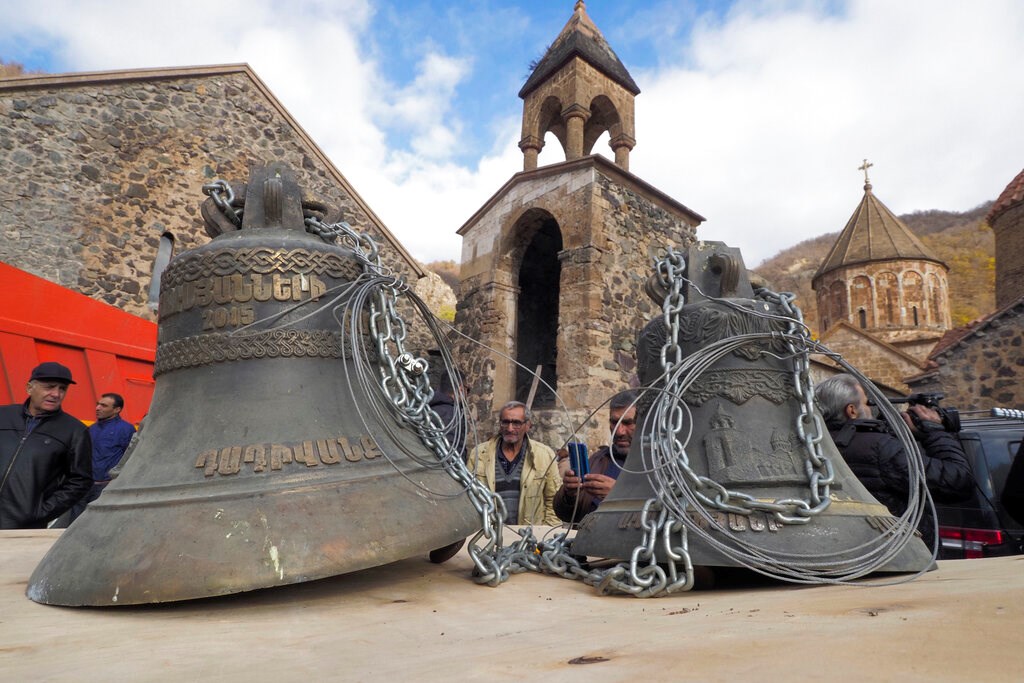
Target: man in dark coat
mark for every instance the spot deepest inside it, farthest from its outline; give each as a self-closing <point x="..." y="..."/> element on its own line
<point x="110" y="436"/>
<point x="45" y="454"/>
<point x="878" y="458"/>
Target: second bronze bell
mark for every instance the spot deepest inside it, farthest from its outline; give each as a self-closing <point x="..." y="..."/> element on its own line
<point x="741" y="432"/>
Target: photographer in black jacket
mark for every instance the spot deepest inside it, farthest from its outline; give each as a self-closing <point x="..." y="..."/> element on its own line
<point x="45" y="454"/>
<point x="878" y="458"/>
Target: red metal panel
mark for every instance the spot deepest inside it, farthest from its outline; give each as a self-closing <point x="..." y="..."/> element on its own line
<point x="105" y="348"/>
<point x="17" y="357"/>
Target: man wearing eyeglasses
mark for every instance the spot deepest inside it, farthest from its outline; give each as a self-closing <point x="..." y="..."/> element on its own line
<point x="580" y="496"/>
<point x="519" y="469"/>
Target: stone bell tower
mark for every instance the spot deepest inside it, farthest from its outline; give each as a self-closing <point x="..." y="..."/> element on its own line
<point x="554" y="263"/>
<point x="577" y="91"/>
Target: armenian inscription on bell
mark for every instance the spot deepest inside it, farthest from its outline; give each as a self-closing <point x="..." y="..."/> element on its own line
<point x="261" y="457"/>
<point x="755" y="521"/>
<point x="239" y="289"/>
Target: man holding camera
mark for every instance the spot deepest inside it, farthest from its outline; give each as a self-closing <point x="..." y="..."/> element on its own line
<point x="878" y="458"/>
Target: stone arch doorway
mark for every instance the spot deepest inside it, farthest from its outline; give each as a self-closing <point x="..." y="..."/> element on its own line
<point x="537" y="307"/>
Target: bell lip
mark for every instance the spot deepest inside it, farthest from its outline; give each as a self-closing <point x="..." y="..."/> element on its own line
<point x="232" y="542"/>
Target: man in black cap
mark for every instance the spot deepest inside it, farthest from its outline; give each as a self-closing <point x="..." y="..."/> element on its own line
<point x="45" y="454"/>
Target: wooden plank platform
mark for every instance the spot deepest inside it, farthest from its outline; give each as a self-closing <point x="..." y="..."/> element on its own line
<point x="420" y="621"/>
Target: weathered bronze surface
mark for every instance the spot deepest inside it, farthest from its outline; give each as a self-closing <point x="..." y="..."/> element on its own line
<point x="744" y="413"/>
<point x="258" y="464"/>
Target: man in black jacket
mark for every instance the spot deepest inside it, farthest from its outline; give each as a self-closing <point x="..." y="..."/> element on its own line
<point x="45" y="454"/>
<point x="877" y="456"/>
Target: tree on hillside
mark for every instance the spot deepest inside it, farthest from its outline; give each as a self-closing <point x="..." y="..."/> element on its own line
<point x="447" y="270"/>
<point x="8" y="69"/>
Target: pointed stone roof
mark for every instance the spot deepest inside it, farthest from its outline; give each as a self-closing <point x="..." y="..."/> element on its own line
<point x="580" y="38"/>
<point x="1011" y="196"/>
<point x="874" y="233"/>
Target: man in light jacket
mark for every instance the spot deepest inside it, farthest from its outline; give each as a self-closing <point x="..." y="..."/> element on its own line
<point x="521" y="470"/>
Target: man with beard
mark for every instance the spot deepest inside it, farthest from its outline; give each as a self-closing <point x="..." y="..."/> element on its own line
<point x="580" y="496"/>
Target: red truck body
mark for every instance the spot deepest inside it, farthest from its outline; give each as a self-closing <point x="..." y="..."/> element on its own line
<point x="107" y="349"/>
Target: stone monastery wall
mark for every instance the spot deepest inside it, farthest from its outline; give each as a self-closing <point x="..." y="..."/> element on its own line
<point x="97" y="167"/>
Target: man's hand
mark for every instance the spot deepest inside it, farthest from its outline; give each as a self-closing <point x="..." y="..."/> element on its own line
<point x="922" y="414"/>
<point x="597" y="484"/>
<point x="571" y="482"/>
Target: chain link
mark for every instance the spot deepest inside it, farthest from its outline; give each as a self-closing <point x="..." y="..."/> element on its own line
<point x="223" y="196"/>
<point x="405" y="382"/>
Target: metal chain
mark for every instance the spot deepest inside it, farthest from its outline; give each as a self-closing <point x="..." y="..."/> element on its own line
<point x="405" y="382"/>
<point x="657" y="520"/>
<point x="808" y="424"/>
<point x="655" y="563"/>
<point x="657" y="566"/>
<point x="223" y="196"/>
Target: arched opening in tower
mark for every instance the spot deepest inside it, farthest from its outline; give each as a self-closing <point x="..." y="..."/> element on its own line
<point x="537" y="314"/>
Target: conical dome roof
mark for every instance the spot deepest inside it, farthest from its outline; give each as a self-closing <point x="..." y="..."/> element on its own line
<point x="874" y="233"/>
<point x="580" y="37"/>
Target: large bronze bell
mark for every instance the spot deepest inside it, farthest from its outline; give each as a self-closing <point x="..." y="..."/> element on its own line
<point x="260" y="462"/>
<point x="743" y="413"/>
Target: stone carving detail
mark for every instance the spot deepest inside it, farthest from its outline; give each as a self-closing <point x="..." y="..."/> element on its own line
<point x="648" y="359"/>
<point x="734" y="458"/>
<point x="217" y="348"/>
<point x="708" y="322"/>
<point x="740" y="385"/>
<point x="259" y="260"/>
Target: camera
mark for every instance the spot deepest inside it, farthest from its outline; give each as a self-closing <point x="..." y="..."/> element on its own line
<point x="950" y="416"/>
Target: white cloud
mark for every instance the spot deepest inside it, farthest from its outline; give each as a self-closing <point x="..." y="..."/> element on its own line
<point x="770" y="119"/>
<point x="758" y="123"/>
<point x="423" y="108"/>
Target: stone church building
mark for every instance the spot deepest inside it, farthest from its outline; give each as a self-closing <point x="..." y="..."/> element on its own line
<point x="554" y="263"/>
<point x="883" y="302"/>
<point x="882" y="296"/>
<point x="103" y="172"/>
<point x="981" y="365"/>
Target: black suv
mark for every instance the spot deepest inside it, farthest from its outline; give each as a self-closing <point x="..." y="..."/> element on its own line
<point x="980" y="526"/>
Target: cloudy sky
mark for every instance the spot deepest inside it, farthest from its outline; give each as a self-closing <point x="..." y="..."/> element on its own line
<point x="755" y="114"/>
